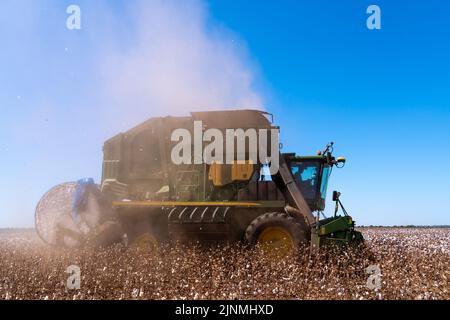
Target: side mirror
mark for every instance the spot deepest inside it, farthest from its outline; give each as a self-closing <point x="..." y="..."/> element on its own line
<point x="340" y="162"/>
<point x="336" y="195"/>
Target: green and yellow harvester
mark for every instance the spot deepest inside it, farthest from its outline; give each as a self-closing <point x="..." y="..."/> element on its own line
<point x="144" y="197"/>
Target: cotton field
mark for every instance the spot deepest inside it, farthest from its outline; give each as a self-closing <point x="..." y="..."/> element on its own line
<point x="395" y="263"/>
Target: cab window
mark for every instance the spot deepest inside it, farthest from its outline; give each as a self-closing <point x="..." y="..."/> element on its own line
<point x="306" y="175"/>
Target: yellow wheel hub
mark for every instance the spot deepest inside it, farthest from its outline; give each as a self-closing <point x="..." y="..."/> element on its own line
<point x="276" y="239"/>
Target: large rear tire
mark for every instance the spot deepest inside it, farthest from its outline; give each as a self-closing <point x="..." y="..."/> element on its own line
<point x="276" y="231"/>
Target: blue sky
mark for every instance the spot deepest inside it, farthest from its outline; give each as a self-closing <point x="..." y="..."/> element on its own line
<point x="381" y="95"/>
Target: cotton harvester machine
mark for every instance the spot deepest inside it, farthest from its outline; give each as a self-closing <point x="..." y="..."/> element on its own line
<point x="145" y="197"/>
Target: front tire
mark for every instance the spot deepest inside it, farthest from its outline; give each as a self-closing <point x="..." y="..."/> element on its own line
<point x="276" y="231"/>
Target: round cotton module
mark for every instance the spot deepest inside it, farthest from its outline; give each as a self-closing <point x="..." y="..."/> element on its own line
<point x="53" y="216"/>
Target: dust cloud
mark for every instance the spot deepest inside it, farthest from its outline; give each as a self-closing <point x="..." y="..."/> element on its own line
<point x="178" y="60"/>
<point x="130" y="61"/>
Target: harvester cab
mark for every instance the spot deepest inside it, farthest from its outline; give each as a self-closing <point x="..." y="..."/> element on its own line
<point x="308" y="196"/>
<point x="143" y="195"/>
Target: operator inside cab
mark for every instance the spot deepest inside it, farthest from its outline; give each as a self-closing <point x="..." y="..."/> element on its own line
<point x="306" y="176"/>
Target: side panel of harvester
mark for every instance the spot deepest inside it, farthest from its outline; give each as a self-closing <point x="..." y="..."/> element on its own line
<point x="138" y="165"/>
<point x="193" y="221"/>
